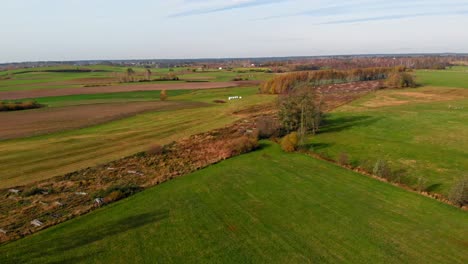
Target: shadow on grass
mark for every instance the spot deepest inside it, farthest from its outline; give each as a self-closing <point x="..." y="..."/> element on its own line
<point x="59" y="244"/>
<point x="434" y="187"/>
<point x="339" y="124"/>
<point x="317" y="146"/>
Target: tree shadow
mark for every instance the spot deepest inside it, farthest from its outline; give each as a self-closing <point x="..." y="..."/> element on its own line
<point x="317" y="146"/>
<point x="433" y="187"/>
<point x="339" y="124"/>
<point x="60" y="244"/>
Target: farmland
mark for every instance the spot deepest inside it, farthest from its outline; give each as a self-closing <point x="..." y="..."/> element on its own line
<point x="104" y="76"/>
<point x="421" y="132"/>
<point x="25" y="160"/>
<point x="266" y="206"/>
<point x="453" y="77"/>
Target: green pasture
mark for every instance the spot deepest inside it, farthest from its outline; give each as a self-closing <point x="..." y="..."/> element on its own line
<point x="425" y="138"/>
<point x="262" y="207"/>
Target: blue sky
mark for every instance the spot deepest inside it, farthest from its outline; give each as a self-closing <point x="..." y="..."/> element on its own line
<point x="142" y="29"/>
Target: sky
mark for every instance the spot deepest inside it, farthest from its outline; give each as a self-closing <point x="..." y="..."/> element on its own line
<point x="33" y="30"/>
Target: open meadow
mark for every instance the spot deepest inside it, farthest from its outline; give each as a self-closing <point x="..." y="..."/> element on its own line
<point x="266" y="206"/>
<point x="422" y="132"/>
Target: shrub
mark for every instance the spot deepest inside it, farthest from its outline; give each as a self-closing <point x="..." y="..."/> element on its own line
<point x="16" y="106"/>
<point x="124" y="191"/>
<point x="218" y="101"/>
<point x="155" y="150"/>
<point x="458" y="194"/>
<point x="35" y="191"/>
<point x="267" y="127"/>
<point x="289" y="142"/>
<point x="421" y="183"/>
<point x="114" y="196"/>
<point x="400" y="80"/>
<point x="382" y="169"/>
<point x="343" y="159"/>
<point x="163" y="95"/>
<point x="243" y="144"/>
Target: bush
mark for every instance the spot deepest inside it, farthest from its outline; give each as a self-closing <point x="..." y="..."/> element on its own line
<point x="343" y="159"/>
<point x="155" y="150"/>
<point x="382" y="169"/>
<point x="289" y="142"/>
<point x="120" y="192"/>
<point x="218" y="101"/>
<point x="243" y="144"/>
<point x="163" y="95"/>
<point x="400" y="80"/>
<point x="458" y="194"/>
<point x="35" y="191"/>
<point x="114" y="196"/>
<point x="16" y="106"/>
<point x="267" y="127"/>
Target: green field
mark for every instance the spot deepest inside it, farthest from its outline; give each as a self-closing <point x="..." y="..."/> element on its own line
<point x="454" y="77"/>
<point x="421" y="131"/>
<point x="262" y="207"/>
<point x="140" y="96"/>
<point x="30" y="159"/>
<point x="42" y="78"/>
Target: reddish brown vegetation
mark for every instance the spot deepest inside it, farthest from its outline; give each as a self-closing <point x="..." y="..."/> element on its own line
<point x="287" y="82"/>
<point x="347" y="63"/>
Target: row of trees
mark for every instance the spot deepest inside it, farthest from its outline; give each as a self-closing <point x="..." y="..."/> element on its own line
<point x="131" y="76"/>
<point x="286" y="82"/>
<point x="352" y="62"/>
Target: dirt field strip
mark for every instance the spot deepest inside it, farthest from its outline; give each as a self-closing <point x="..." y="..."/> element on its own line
<point x="20" y="124"/>
<point x="14" y="95"/>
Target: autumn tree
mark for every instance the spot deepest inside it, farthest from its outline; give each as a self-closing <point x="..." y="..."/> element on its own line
<point x="400" y="80"/>
<point x="300" y="110"/>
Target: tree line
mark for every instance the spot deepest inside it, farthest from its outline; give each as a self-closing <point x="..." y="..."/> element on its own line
<point x="284" y="83"/>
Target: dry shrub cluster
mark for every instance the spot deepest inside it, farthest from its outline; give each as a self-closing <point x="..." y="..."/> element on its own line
<point x="459" y="192"/>
<point x="267" y="127"/>
<point x="243" y="144"/>
<point x="400" y="80"/>
<point x="289" y="143"/>
<point x="163" y="95"/>
<point x="285" y="83"/>
<point x="16" y="106"/>
<point x="155" y="149"/>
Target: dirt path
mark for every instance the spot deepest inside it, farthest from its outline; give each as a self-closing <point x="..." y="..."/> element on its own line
<point x="13" y="95"/>
<point x="47" y="120"/>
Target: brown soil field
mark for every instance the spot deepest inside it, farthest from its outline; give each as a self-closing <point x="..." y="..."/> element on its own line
<point x="335" y="95"/>
<point x="47" y="120"/>
<point x="13" y="95"/>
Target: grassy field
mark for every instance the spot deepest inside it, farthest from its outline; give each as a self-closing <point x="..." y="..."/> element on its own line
<point x="29" y="159"/>
<point x="262" y="207"/>
<point x="422" y="131"/>
<point x="453" y="77"/>
<point x="43" y="78"/>
<point x="140" y="96"/>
